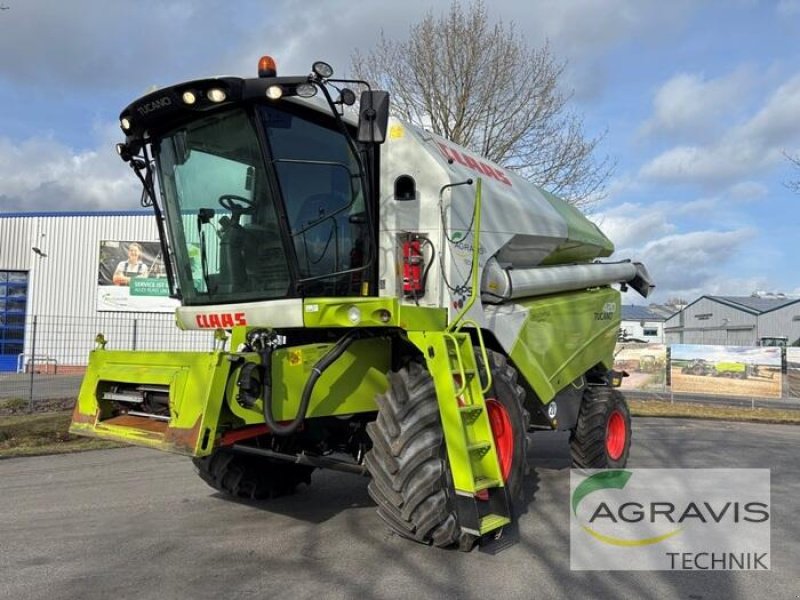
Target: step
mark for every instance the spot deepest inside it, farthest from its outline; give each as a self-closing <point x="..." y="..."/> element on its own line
<point x="479" y="447"/>
<point x="470" y="413"/>
<point x="484" y="483"/>
<point x="492" y="522"/>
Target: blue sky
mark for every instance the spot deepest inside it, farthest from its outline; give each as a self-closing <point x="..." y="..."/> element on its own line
<point x="699" y="101"/>
<point x="716" y="354"/>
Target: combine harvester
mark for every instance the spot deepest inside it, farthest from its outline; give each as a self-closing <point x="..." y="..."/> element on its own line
<point x="385" y="303"/>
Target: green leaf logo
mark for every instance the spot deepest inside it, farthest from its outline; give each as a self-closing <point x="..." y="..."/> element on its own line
<point x="599" y="481"/>
<point x="611" y="480"/>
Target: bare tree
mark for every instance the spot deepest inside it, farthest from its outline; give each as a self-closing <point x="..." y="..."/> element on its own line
<point x="481" y="86"/>
<point x="676" y="301"/>
<point x="793" y="184"/>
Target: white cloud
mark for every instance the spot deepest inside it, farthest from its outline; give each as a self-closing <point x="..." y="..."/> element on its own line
<point x="583" y="32"/>
<point x="580" y="32"/>
<point x="741" y="193"/>
<point x="629" y="225"/>
<point x="684" y="263"/>
<point x="43" y="174"/>
<point x="745" y="151"/>
<point x="700" y="206"/>
<point x="692" y="107"/>
<point x="582" y="27"/>
<point x="700" y="164"/>
<point x="91" y="44"/>
<point x="777" y="122"/>
<point x="747" y="191"/>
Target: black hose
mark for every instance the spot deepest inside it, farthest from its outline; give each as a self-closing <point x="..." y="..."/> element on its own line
<point x="316" y="372"/>
<point x="424" y="277"/>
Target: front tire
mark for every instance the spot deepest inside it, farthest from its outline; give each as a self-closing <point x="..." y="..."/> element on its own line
<point x="411" y="483"/>
<point x="602" y="437"/>
<point x="250" y="477"/>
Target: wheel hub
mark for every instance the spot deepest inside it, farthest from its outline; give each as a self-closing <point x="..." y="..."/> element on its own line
<point x="503" y="435"/>
<point x="616" y="434"/>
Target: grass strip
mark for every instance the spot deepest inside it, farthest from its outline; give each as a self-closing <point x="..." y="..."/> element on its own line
<point x="44" y="433"/>
<point x="694" y="410"/>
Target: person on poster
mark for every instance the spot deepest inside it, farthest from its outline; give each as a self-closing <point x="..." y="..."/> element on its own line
<point x="133" y="267"/>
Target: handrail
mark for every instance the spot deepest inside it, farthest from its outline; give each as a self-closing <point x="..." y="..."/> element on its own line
<point x="484" y="354"/>
<point x="459" y="322"/>
<point x="476" y="233"/>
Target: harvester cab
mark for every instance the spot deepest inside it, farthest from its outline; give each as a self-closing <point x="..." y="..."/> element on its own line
<point x="384" y="302"/>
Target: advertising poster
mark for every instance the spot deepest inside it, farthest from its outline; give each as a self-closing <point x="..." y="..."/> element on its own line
<point x="726" y="370"/>
<point x="646" y="365"/>
<point x="131" y="278"/>
<point x="793" y="371"/>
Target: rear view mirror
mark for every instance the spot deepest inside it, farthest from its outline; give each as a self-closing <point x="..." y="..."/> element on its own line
<point x="373" y="117"/>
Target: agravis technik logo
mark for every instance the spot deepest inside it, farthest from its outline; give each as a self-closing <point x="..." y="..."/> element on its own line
<point x="644" y="519"/>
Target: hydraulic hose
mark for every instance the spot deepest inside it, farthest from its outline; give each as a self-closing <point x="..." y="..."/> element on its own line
<point x="316" y="372"/>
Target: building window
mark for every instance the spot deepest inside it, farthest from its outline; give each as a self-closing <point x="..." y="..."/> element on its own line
<point x="650" y="332"/>
<point x="13" y="303"/>
<point x="703" y="316"/>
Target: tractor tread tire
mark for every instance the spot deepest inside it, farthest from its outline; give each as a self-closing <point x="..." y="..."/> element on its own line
<point x="410" y="475"/>
<point x="250" y="477"/>
<point x="407" y="448"/>
<point x="588" y="438"/>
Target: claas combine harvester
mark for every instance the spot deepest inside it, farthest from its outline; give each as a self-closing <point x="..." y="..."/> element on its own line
<point x="384" y="302"/>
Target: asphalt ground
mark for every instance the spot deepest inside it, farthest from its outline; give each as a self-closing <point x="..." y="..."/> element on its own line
<point x="40" y="387"/>
<point x="132" y="523"/>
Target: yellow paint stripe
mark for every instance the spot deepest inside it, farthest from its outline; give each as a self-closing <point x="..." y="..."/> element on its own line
<point x="614" y="541"/>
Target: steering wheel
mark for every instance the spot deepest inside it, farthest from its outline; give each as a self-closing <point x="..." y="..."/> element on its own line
<point x="229" y="202"/>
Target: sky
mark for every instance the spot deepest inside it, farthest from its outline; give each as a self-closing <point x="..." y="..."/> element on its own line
<point x="698" y="102"/>
<point x="717" y="354"/>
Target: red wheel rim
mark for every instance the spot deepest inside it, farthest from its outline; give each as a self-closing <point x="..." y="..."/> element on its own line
<point x="615" y="435"/>
<point x="503" y="435"/>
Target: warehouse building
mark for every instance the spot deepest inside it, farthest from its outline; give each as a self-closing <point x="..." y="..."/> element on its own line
<point x="60" y="285"/>
<point x="641" y="324"/>
<point x="737" y="321"/>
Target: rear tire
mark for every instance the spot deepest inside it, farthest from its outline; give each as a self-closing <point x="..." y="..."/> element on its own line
<point x="602" y="437"/>
<point x="411" y="481"/>
<point x="250" y="477"/>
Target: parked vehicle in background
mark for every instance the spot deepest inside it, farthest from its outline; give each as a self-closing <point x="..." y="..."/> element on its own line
<point x="780" y="341"/>
<point x="697" y="366"/>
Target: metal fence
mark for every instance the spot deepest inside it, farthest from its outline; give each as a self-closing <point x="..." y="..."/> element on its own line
<point x="57" y="348"/>
<point x="766" y="377"/>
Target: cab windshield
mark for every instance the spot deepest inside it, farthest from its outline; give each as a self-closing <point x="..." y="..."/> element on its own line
<point x="262" y="217"/>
